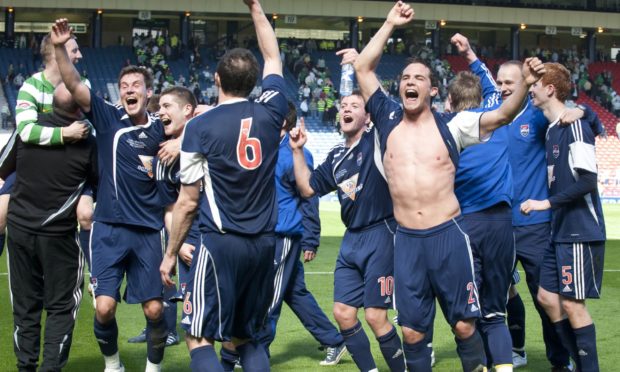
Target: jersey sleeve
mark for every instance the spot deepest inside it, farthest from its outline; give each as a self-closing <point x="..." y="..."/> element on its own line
<point x="191" y="154"/>
<point x="273" y="98"/>
<point x="465" y="129"/>
<point x="322" y="179"/>
<point x="101" y="113"/>
<point x="163" y="180"/>
<point x="310" y="216"/>
<point x="581" y="151"/>
<point x="27" y="115"/>
<point x="383" y="111"/>
<point x="491" y="94"/>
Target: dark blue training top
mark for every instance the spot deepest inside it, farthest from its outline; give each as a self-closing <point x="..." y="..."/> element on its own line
<point x="233" y="148"/>
<point x="127" y="193"/>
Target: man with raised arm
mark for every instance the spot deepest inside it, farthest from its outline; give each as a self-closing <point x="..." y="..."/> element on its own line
<point x="233" y="149"/>
<point x="127" y="232"/>
<point x="420" y="153"/>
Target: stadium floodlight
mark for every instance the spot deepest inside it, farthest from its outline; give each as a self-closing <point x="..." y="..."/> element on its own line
<point x="442" y="22"/>
<point x="523" y="26"/>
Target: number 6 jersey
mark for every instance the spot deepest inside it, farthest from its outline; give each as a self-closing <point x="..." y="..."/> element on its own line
<point x="233" y="148"/>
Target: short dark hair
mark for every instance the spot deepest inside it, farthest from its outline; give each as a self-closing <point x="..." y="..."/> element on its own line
<point x="431" y="72"/>
<point x="133" y="69"/>
<point x="182" y="95"/>
<point x="153" y="105"/>
<point x="512" y="62"/>
<point x="238" y="72"/>
<point x="558" y="76"/>
<point x="290" y="120"/>
<point x="465" y="91"/>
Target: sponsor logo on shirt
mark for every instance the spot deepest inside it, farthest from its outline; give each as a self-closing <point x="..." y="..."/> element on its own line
<point x="136" y="144"/>
<point x="147" y="165"/>
<point x="359" y="159"/>
<point x="340" y="174"/>
<point x="142" y="135"/>
<point x="350" y="187"/>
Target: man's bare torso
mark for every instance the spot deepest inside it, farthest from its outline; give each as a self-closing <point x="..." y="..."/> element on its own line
<point x="420" y="175"/>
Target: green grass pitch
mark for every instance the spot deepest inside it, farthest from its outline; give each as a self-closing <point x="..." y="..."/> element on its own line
<point x="295" y="350"/>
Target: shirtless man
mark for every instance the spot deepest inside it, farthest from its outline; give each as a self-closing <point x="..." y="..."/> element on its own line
<point x="420" y="149"/>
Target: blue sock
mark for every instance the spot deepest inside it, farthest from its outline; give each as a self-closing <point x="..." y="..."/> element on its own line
<point x="2" y="239"/>
<point x="156" y="334"/>
<point x="471" y="352"/>
<point x="516" y="323"/>
<point x="204" y="359"/>
<point x="107" y="337"/>
<point x="498" y="340"/>
<point x="358" y="346"/>
<point x="586" y="344"/>
<point x="567" y="337"/>
<point x="418" y="356"/>
<point x="228" y="359"/>
<point x="392" y="350"/>
<point x="253" y="357"/>
<point x="170" y="309"/>
<point x="84" y="238"/>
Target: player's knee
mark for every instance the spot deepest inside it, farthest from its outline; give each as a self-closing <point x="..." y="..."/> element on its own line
<point x="105" y="310"/>
<point x="544" y="299"/>
<point x="411" y="336"/>
<point x="464" y="328"/>
<point x="153" y="309"/>
<point x="345" y="315"/>
<point x="84" y="212"/>
<point x="376" y="318"/>
<point x="572" y="307"/>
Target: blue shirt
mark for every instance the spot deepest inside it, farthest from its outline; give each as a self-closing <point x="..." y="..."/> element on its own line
<point x="233" y="148"/>
<point x="568" y="150"/>
<point x="297" y="216"/>
<point x="484" y="177"/>
<point x="354" y="172"/>
<point x="127" y="193"/>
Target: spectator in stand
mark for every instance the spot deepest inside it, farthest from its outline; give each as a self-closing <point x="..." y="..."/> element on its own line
<point x="10" y="74"/>
<point x="615" y="103"/>
<point x="5" y="118"/>
<point x="18" y="81"/>
<point x="181" y="80"/>
<point x="313" y="109"/>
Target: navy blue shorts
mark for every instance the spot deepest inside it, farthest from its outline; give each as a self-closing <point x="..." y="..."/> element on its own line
<point x="232" y="286"/>
<point x="573" y="269"/>
<point x="8" y="184"/>
<point x="117" y="250"/>
<point x="435" y="262"/>
<point x="531" y="242"/>
<point x="364" y="269"/>
<point x="493" y="249"/>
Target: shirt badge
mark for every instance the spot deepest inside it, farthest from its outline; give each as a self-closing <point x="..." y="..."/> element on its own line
<point x="524" y="129"/>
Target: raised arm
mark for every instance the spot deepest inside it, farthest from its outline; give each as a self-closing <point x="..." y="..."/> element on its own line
<point x="297" y="139"/>
<point x="491" y="94"/>
<point x="267" y="42"/>
<point x="61" y="33"/>
<point x="462" y="46"/>
<point x="532" y="70"/>
<point x="367" y="62"/>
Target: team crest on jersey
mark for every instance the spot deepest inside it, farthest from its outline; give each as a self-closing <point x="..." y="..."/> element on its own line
<point x="147" y="165"/>
<point x="350" y="187"/>
<point x="524" y="129"/>
<point x="183" y="286"/>
<point x="556" y="151"/>
<point x="359" y="159"/>
<point x="23" y="105"/>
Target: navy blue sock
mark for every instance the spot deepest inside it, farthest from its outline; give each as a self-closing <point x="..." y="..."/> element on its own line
<point x="567" y="337"/>
<point x="471" y="352"/>
<point x="392" y="350"/>
<point x="170" y="309"/>
<point x="84" y="238"/>
<point x="516" y="322"/>
<point x="253" y="357"/>
<point x="498" y="340"/>
<point x="358" y="346"/>
<point x="228" y="359"/>
<point x="586" y="344"/>
<point x="107" y="337"/>
<point x="156" y="334"/>
<point x="204" y="359"/>
<point x="418" y="356"/>
<point x="2" y="239"/>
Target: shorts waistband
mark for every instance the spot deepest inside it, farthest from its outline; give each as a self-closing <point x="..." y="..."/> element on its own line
<point x="433" y="230"/>
<point x="390" y="223"/>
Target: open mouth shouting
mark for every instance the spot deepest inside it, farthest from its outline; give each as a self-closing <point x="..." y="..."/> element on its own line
<point x="131" y="102"/>
<point x="411" y="94"/>
<point x="347" y="119"/>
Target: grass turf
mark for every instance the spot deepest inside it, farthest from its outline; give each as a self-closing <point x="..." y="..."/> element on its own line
<point x="295" y="349"/>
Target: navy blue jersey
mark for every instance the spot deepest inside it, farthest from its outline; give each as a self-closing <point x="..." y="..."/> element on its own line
<point x="233" y="148"/>
<point x="457" y="130"/>
<point x="484" y="177"/>
<point x="354" y="172"/>
<point x="296" y="215"/>
<point x="527" y="160"/>
<point x="126" y="154"/>
<point x="571" y="149"/>
<point x="168" y="180"/>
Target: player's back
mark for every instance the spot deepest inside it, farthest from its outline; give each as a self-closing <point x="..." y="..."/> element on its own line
<point x="236" y="147"/>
